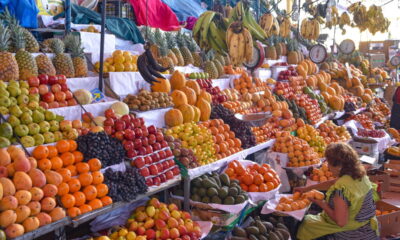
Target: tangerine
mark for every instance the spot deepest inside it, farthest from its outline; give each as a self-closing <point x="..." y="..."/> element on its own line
<point x="96" y="204"/>
<point x="44" y="164"/>
<point x="53" y="152"/>
<point x="244" y="187"/>
<point x="65" y="173"/>
<point x="63" y="189"/>
<point x="102" y="190"/>
<point x="248" y="179"/>
<point x="40" y="152"/>
<point x="80" y="198"/>
<point x="94" y="164"/>
<point x="97" y="177"/>
<point x="74" y="185"/>
<point x="63" y="146"/>
<point x="56" y="163"/>
<point x="263" y="187"/>
<point x="68" y="200"/>
<point x="72" y="170"/>
<point x="106" y="200"/>
<point x="67" y="158"/>
<point x="90" y="192"/>
<point x="78" y="156"/>
<point x="73" y="212"/>
<point x="85" y="179"/>
<point x="270" y="186"/>
<point x="258" y="179"/>
<point x="85" y="208"/>
<point x="73" y="145"/>
<point x="253" y="188"/>
<point x="82" y="167"/>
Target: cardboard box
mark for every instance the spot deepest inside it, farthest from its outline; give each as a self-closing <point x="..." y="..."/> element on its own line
<point x="392" y="167"/>
<point x="377" y="59"/>
<point x="389" y="224"/>
<point x="362" y="148"/>
<point x="382" y="179"/>
<point x="50" y="7"/>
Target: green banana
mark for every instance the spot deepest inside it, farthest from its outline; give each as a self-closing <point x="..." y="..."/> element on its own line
<point x="199" y="23"/>
<point x="205" y="26"/>
<point x="249" y="22"/>
<point x="214" y="45"/>
<point x="218" y="36"/>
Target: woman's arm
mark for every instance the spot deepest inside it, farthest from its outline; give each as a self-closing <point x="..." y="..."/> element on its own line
<point x="339" y="214"/>
<point x="321" y="186"/>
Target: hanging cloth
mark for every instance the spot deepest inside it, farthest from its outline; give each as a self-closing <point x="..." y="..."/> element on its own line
<point x="185" y="8"/>
<point x="91" y="4"/>
<point x="159" y="15"/>
<point x="25" y="11"/>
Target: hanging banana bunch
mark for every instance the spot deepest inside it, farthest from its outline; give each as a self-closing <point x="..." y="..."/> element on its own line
<point x="275" y="29"/>
<point x="371" y="19"/>
<point x="285" y="27"/>
<point x="343" y="21"/>
<point x="240" y="43"/>
<point x="309" y="29"/>
<point x="266" y="22"/>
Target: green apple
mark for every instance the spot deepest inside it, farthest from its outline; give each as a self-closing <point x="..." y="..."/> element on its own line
<point x="14" y="121"/>
<point x="21" y="130"/>
<point x="37" y="116"/>
<point x="6" y="130"/>
<point x="34" y="97"/>
<point x="49" y="115"/>
<point x="4" y="92"/>
<point x="15" y="110"/>
<point x="13" y="101"/>
<point x="4" y="101"/>
<point x="44" y="126"/>
<point x="25" y="109"/>
<point x="49" y="137"/>
<point x="23" y="99"/>
<point x="24" y="84"/>
<point x="4" y="142"/>
<point x="4" y="110"/>
<point x="192" y="76"/>
<point x="28" y="141"/>
<point x="33" y="105"/>
<point x="24" y="91"/>
<point x="14" y="91"/>
<point x="54" y="126"/>
<point x="26" y="118"/>
<point x="34" y="129"/>
<point x="39" y="139"/>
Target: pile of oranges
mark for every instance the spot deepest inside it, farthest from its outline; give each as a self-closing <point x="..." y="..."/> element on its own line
<point x="244" y="84"/>
<point x="80" y="188"/>
<point x="225" y="142"/>
<point x="120" y="61"/>
<point x="298" y="201"/>
<point x="322" y="174"/>
<point x="253" y="178"/>
<point x="300" y="154"/>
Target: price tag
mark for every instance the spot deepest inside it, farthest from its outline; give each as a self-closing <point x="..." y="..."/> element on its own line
<point x="318" y="54"/>
<point x="97" y="95"/>
<point x="347" y="46"/>
<point x="395" y="61"/>
<point x="349" y="75"/>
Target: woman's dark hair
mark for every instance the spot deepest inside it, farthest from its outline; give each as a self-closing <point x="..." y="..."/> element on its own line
<point x="344" y="156"/>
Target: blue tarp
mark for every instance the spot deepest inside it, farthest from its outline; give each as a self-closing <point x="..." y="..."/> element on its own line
<point x="25" y="11"/>
<point x="185" y="8"/>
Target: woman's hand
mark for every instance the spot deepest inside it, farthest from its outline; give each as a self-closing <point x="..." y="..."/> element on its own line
<point x="300" y="189"/>
<point x="320" y="203"/>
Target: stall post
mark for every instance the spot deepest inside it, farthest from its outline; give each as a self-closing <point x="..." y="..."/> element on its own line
<point x="67" y="16"/>
<point x="102" y="42"/>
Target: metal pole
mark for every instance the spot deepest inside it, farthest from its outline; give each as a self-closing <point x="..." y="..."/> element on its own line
<point x="102" y="41"/>
<point x="186" y="193"/>
<point x="67" y="6"/>
<point x="258" y="10"/>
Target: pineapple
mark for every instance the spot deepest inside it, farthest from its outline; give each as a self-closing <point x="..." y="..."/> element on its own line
<point x="211" y="69"/>
<point x="45" y="66"/>
<point x="164" y="60"/>
<point x="8" y="64"/>
<point x="221" y="59"/>
<point x="187" y="56"/>
<point x="62" y="61"/>
<point x="219" y="67"/>
<point x="270" y="51"/>
<point x="192" y="45"/>
<point x="170" y="44"/>
<point x="227" y="60"/>
<point x="26" y="63"/>
<point x="177" y="52"/>
<point x="74" y="45"/>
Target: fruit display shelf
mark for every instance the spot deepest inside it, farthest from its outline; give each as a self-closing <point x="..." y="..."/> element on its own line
<point x="153" y="117"/>
<point x="56" y="227"/>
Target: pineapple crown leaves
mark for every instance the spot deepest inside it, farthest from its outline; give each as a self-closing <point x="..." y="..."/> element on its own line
<point x="163" y="49"/>
<point x="8" y="19"/>
<point x="158" y="37"/>
<point x="4" y="38"/>
<point x="180" y="40"/>
<point x="57" y="46"/>
<point x="18" y="37"/>
<point x="192" y="45"/>
<point x="73" y="45"/>
<point x="170" y="40"/>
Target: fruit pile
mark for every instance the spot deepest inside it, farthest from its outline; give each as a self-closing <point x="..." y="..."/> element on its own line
<point x="99" y="145"/>
<point x="120" y="61"/>
<point x="146" y="101"/>
<point x="394" y="133"/>
<point x="197" y="138"/>
<point x="384" y="212"/>
<point x="259" y="229"/>
<point x="125" y="186"/>
<point x="219" y="189"/>
<point x="321" y="174"/>
<point x="78" y="184"/>
<point x="184" y="155"/>
<point x="240" y="107"/>
<point x="217" y="95"/>
<point x="287" y="74"/>
<point x="333" y="133"/>
<point x="264" y="133"/>
<point x="364" y="120"/>
<point x="311" y="135"/>
<point x="225" y="142"/>
<point x="28" y="194"/>
<point x="298" y="201"/>
<point x="244" y="84"/>
<point x="253" y="178"/>
<point x="53" y="91"/>
<point x="241" y="129"/>
<point x="311" y="107"/>
<point x="284" y="89"/>
<point x="159" y="219"/>
<point x="197" y="75"/>
<point x="370" y="133"/>
<point x="300" y="154"/>
<point x="231" y="93"/>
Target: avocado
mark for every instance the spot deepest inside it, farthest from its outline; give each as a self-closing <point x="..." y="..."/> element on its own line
<point x="196" y="198"/>
<point x="273" y="236"/>
<point x="229" y="200"/>
<point x="263" y="237"/>
<point x="284" y="233"/>
<point x="239" y="199"/>
<point x="240" y="232"/>
<point x="212" y="192"/>
<point x="233" y="192"/>
<point x="208" y="183"/>
<point x="252" y="230"/>
<point x="223" y="192"/>
<point x="252" y="237"/>
<point x="261" y="227"/>
<point x="216" y="179"/>
<point x="201" y="192"/>
<point x="235" y="181"/>
<point x="216" y="199"/>
<point x="224" y="179"/>
<point x="205" y="199"/>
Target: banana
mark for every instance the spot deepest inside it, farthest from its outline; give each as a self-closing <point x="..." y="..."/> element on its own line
<point x="233" y="48"/>
<point x="316" y="30"/>
<point x="266" y="22"/>
<point x="241" y="48"/>
<point x="285" y="27"/>
<point x="217" y="37"/>
<point x="205" y="26"/>
<point x="248" y="45"/>
<point x="275" y="28"/>
<point x="229" y="34"/>
<point x="199" y="22"/>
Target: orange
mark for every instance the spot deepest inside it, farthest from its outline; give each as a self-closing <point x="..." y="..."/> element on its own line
<point x="80" y="198"/>
<point x="97" y="177"/>
<point x="229" y="172"/>
<point x="270" y="186"/>
<point x="44" y="164"/>
<point x="263" y="187"/>
<point x="74" y="185"/>
<point x="262" y="170"/>
<point x="63" y="189"/>
<point x="102" y="190"/>
<point x="82" y="167"/>
<point x="280" y="207"/>
<point x="72" y="145"/>
<point x="68" y="158"/>
<point x="234" y="164"/>
<point x="96" y="204"/>
<point x="78" y="156"/>
<point x="294" y="206"/>
<point x="85" y="179"/>
<point x="56" y="163"/>
<point x="287" y="207"/>
<point x="253" y="188"/>
<point x="106" y="200"/>
<point x="53" y="152"/>
<point x="85" y="208"/>
<point x="240" y="170"/>
<point x="68" y="200"/>
<point x="40" y="152"/>
<point x="62" y="146"/>
<point x="73" y="212"/>
<point x="65" y="173"/>
<point x="244" y="187"/>
<point x="94" y="164"/>
<point x="90" y="192"/>
<point x="248" y="179"/>
<point x="296" y="195"/>
<point x="72" y="170"/>
<point x="268" y="176"/>
<point x="258" y="179"/>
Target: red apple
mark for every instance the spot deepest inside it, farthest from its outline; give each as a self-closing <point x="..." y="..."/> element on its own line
<point x="87" y="117"/>
<point x="72" y="102"/>
<point x="141" y="120"/>
<point x="119" y="125"/>
<point x="138" y="144"/>
<point x="168" y="153"/>
<point x="159" y="137"/>
<point x="169" y="175"/>
<point x="119" y="135"/>
<point x="156" y="146"/>
<point x="109" y="122"/>
<point x="136" y="122"/>
<point x="145" y="131"/>
<point x="160" y="224"/>
<point x="68" y="95"/>
<point x="126" y="118"/>
<point x="44" y="105"/>
<point x="62" y="79"/>
<point x="139" y="162"/>
<point x="142" y="150"/>
<point x="128" y="145"/>
<point x="109" y="130"/>
<point x="34" y="82"/>
<point x="131" y="153"/>
<point x="153" y="170"/>
<point x="145" y="141"/>
<point x="53" y="80"/>
<point x="182" y="230"/>
<point x="152" y="129"/>
<point x="149" y="149"/>
<point x="63" y="103"/>
<point x="60" y="96"/>
<point x="156" y="181"/>
<point x="54" y="105"/>
<point x="148" y="160"/>
<point x="163" y="178"/>
<point x="129" y="134"/>
<point x="155" y="157"/>
<point x="152" y="139"/>
<point x="171" y="163"/>
<point x="138" y="133"/>
<point x="64" y="87"/>
<point x="33" y="90"/>
<point x="176" y="171"/>
<point x="150" y="234"/>
<point x="141" y="230"/>
<point x="162" y="154"/>
<point x="149" y="182"/>
<point x="165" y="165"/>
<point x="145" y="172"/>
<point x="165" y="233"/>
<point x="164" y="144"/>
<point x="56" y="88"/>
<point x="109" y="113"/>
<point x="43" y="79"/>
<point x="43" y="89"/>
<point x="48" y="97"/>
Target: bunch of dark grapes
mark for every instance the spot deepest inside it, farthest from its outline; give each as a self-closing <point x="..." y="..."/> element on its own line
<point x="241" y="129"/>
<point x="125" y="186"/>
<point x="99" y="145"/>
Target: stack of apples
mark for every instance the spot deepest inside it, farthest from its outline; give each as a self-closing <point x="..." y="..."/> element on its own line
<point x="217" y="95"/>
<point x="53" y="91"/>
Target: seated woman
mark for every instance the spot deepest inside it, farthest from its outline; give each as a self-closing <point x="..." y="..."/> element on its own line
<point x="349" y="209"/>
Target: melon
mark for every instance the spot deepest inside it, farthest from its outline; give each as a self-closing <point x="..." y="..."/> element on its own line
<point x="120" y="108"/>
<point x="83" y="96"/>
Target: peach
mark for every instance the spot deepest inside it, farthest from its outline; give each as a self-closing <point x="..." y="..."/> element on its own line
<point x="23" y="212"/>
<point x="35" y="207"/>
<point x="172" y="223"/>
<point x="150" y="234"/>
<point x="160" y="224"/>
<point x="8" y="203"/>
<point x="174" y="233"/>
<point x="7" y="218"/>
<point x="149" y="224"/>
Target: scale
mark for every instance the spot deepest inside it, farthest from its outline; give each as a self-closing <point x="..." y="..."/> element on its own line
<point x="347" y="46"/>
<point x="395" y="62"/>
<point x="318" y="53"/>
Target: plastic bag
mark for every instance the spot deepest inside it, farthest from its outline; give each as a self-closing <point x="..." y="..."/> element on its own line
<point x="25" y="11"/>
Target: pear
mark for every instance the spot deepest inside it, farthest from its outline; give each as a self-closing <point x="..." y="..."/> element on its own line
<point x="6" y="130"/>
<point x="21" y="130"/>
<point x="34" y="97"/>
<point x="14" y="121"/>
<point x="4" y="110"/>
<point x="37" y="116"/>
<point x="14" y="91"/>
<point x="49" y="115"/>
<point x="54" y="126"/>
<point x="15" y="110"/>
<point x="4" y="101"/>
<point x="44" y="126"/>
<point x="4" y="92"/>
<point x="13" y="101"/>
<point x="49" y="137"/>
<point x="28" y="141"/>
<point x="26" y="118"/>
<point x="34" y="129"/>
